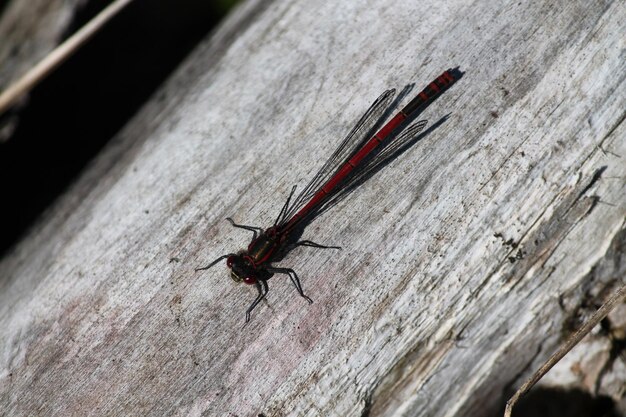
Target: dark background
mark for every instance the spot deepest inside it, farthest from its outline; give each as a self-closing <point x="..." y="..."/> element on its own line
<point x="73" y="113"/>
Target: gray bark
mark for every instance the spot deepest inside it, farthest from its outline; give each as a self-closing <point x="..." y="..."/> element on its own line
<point x="463" y="259"/>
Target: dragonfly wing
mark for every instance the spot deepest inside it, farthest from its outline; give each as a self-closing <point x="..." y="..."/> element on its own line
<point x="362" y="131"/>
<point x="392" y="148"/>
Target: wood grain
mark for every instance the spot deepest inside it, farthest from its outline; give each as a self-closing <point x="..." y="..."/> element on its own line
<point x="455" y="256"/>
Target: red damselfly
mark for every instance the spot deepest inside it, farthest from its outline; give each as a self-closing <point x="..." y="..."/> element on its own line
<point x="360" y="154"/>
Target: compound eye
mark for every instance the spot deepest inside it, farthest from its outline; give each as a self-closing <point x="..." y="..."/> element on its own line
<point x="230" y="261"/>
<point x="250" y="280"/>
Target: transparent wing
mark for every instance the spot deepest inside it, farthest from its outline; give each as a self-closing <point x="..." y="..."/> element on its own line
<point x="361" y="132"/>
<point x="390" y="149"/>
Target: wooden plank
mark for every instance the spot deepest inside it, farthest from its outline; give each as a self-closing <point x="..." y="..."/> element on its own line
<point x="455" y="255"/>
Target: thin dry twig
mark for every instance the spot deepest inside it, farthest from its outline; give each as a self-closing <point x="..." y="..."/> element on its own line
<point x="602" y="312"/>
<point x="58" y="55"/>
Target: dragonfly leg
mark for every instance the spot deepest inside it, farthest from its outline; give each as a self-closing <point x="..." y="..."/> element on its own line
<point x="314" y="245"/>
<point x="294" y="278"/>
<point x="214" y="262"/>
<point x="261" y="286"/>
<point x="255" y="230"/>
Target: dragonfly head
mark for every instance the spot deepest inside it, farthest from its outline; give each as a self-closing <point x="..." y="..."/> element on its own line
<point x="241" y="270"/>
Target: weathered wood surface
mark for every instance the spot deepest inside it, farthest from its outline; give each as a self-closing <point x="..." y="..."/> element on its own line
<point x="455" y="256"/>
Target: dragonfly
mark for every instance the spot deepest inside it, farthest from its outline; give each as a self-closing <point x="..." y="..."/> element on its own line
<point x="361" y="153"/>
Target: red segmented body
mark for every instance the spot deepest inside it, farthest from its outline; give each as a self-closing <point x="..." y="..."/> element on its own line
<point x="442" y="82"/>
